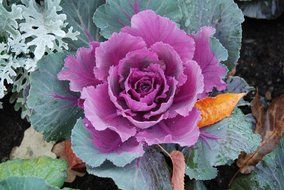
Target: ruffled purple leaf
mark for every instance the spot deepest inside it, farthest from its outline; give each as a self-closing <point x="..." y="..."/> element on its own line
<point x="78" y="70"/>
<point x="107" y="141"/>
<point x="187" y="95"/>
<point x="101" y="112"/>
<point x="154" y="28"/>
<point x="212" y="70"/>
<point x="180" y="130"/>
<point x="170" y="60"/>
<point x="112" y="51"/>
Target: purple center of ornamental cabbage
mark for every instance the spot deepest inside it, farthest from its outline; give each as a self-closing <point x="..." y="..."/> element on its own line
<point x="143" y="83"/>
<point x="143" y="86"/>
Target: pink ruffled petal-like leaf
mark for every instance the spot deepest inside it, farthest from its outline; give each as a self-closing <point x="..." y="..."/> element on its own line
<point x="154" y="28"/>
<point x="164" y="106"/>
<point x="180" y="130"/>
<point x="112" y="51"/>
<point x="109" y="141"/>
<point x="212" y="70"/>
<point x="102" y="113"/>
<point x="79" y="69"/>
<point x="187" y="95"/>
<point x="136" y="59"/>
<point x="171" y="60"/>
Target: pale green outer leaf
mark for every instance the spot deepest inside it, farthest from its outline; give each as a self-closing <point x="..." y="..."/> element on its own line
<point x="116" y="14"/>
<point x="79" y="16"/>
<point x="150" y="172"/>
<point x="53" y="106"/>
<point x="84" y="148"/>
<point x="25" y="183"/>
<point x="219" y="50"/>
<point x="269" y="173"/>
<point x="235" y="134"/>
<point x="224" y="15"/>
<point x="197" y="165"/>
<point x="52" y="170"/>
<point x="236" y="84"/>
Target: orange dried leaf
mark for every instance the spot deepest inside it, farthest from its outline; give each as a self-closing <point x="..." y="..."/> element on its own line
<point x="74" y="162"/>
<point x="214" y="109"/>
<point x="75" y="166"/>
<point x="178" y="170"/>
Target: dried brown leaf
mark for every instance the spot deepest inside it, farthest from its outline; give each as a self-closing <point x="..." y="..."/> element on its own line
<point x="75" y="166"/>
<point x="178" y="170"/>
<point x="270" y="125"/>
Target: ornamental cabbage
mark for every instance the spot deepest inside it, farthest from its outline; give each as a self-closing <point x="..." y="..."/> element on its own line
<point x="140" y="86"/>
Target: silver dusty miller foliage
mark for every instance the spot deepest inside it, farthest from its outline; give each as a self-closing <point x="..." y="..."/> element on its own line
<point x="28" y="31"/>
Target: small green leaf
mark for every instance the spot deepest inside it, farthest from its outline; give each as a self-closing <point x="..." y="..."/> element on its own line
<point x="224" y="15"/>
<point x="149" y="172"/>
<point x="79" y="16"/>
<point x="116" y="14"/>
<point x="268" y="175"/>
<point x="51" y="170"/>
<point x="25" y="183"/>
<point x="53" y="105"/>
<point x="221" y="144"/>
<point x="84" y="148"/>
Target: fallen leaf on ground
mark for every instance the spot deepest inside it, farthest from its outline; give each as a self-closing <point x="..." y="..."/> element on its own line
<point x="75" y="166"/>
<point x="214" y="109"/>
<point x="74" y="162"/>
<point x="270" y="125"/>
<point x="33" y="145"/>
<point x="178" y="170"/>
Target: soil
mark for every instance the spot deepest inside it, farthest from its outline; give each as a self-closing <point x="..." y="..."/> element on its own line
<point x="91" y="182"/>
<point x="262" y="56"/>
<point x="12" y="129"/>
<point x="261" y="65"/>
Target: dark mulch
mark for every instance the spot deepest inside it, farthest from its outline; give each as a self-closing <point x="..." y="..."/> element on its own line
<point x="261" y="65"/>
<point x="262" y="56"/>
<point x="12" y="129"/>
